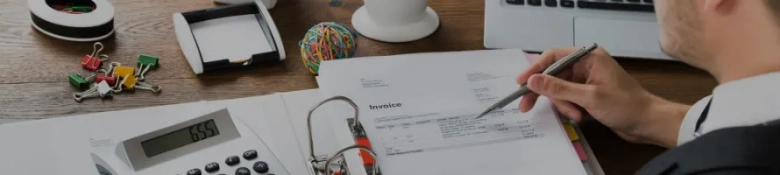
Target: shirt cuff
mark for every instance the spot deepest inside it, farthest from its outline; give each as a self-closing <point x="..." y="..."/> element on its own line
<point x="688" y="125"/>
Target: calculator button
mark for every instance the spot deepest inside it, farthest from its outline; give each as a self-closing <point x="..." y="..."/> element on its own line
<point x="260" y="167"/>
<point x="232" y="160"/>
<point x="193" y="172"/>
<point x="567" y="3"/>
<point x="535" y="2"/>
<point x="243" y="171"/>
<point x="212" y="167"/>
<point x="516" y="2"/>
<point x="251" y="154"/>
<point x="551" y="3"/>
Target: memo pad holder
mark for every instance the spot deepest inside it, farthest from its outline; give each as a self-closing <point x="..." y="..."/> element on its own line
<point x="228" y="36"/>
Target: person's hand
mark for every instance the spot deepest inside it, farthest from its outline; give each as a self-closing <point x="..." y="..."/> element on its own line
<point x="607" y="92"/>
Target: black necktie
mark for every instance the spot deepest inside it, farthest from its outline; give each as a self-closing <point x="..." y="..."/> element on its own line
<point x="703" y="116"/>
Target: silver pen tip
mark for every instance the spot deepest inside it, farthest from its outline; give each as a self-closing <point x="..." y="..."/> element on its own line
<point x="485" y="112"/>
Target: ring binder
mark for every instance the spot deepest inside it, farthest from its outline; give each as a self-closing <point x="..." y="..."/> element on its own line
<point x="321" y="164"/>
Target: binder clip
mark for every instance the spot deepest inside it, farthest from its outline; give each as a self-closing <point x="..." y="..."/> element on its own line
<point x="112" y="66"/>
<point x="118" y="80"/>
<point x="93" y="62"/>
<point x="109" y="79"/>
<point x="145" y="62"/>
<point x="99" y="90"/>
<point x="102" y="75"/>
<point x="126" y="73"/>
<point x="78" y="81"/>
<point x="336" y="164"/>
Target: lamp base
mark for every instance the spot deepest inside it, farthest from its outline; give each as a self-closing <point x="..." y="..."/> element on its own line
<point x="395" y="33"/>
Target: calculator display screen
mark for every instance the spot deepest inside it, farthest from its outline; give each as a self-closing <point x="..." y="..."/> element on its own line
<point x="180" y="138"/>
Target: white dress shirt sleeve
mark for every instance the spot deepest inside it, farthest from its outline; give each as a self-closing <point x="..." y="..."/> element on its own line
<point x="688" y="125"/>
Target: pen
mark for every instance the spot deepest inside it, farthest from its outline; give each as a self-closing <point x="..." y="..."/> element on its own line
<point x="554" y="69"/>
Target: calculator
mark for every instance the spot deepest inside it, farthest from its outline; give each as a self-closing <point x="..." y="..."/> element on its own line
<point x="212" y="144"/>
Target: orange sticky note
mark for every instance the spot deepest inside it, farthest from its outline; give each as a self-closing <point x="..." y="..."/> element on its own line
<point x="571" y="132"/>
<point x="580" y="150"/>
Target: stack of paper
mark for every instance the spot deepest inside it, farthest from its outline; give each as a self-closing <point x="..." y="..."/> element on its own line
<point x="419" y="112"/>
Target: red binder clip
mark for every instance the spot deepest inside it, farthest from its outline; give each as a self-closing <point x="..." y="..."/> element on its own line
<point x="110" y="79"/>
<point x="92" y="62"/>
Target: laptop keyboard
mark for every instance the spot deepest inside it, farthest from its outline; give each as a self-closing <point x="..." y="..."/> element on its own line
<point x="625" y="5"/>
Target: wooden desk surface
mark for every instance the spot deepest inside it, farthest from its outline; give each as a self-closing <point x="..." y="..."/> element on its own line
<point x="33" y="67"/>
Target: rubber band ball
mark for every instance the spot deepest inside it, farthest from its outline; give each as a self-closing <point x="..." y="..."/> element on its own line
<point x="327" y="41"/>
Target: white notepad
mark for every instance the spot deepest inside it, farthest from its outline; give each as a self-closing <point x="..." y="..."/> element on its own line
<point x="234" y="38"/>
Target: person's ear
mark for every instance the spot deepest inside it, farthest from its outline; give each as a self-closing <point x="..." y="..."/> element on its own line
<point x="720" y="7"/>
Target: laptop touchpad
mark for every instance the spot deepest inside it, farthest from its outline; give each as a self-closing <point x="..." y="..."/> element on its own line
<point x="618" y="37"/>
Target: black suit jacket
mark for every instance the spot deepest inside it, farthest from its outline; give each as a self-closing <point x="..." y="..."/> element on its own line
<point x="737" y="150"/>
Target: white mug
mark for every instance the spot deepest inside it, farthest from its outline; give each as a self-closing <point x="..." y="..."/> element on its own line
<point x="268" y="3"/>
<point x="395" y="12"/>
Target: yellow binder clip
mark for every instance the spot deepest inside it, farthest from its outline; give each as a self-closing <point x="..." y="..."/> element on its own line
<point x="127" y="74"/>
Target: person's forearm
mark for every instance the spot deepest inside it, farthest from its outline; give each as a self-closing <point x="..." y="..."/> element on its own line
<point x="664" y="118"/>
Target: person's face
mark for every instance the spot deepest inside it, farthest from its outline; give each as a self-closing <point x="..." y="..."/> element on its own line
<point x="681" y="33"/>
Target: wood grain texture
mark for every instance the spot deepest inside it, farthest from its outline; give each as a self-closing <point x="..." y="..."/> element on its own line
<point x="33" y="67"/>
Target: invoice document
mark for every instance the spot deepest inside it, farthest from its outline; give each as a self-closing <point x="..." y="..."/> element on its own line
<point x="419" y="112"/>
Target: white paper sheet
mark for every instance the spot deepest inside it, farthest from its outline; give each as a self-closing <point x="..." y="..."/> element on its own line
<point x="66" y="142"/>
<point x="27" y="142"/>
<point x="267" y="116"/>
<point x="419" y="112"/>
<point x="298" y="105"/>
<point x="280" y="119"/>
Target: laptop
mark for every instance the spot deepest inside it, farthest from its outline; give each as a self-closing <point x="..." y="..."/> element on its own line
<point x="625" y="28"/>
